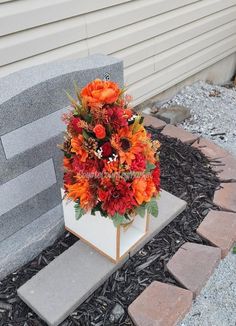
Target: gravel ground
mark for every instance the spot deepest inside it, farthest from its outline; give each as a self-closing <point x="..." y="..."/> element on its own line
<point x="213" y="110"/>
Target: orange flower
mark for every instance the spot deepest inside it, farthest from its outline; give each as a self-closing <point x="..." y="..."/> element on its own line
<point x="67" y="163"/>
<point x="76" y="147"/>
<point x="99" y="131"/>
<point x="149" y="153"/>
<point x="144" y="188"/>
<point x="111" y="167"/>
<point x="128" y="144"/>
<point x="81" y="191"/>
<point x="128" y="113"/>
<point x="100" y="92"/>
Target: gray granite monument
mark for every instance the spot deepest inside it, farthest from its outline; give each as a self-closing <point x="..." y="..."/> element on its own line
<point x="31" y="104"/>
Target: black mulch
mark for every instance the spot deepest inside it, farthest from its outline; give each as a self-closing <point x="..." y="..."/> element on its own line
<point x="186" y="173"/>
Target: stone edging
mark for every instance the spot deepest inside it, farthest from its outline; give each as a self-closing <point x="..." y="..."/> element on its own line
<point x="192" y="264"/>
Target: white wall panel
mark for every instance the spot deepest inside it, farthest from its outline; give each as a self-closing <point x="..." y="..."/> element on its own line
<point x="163" y="42"/>
<point x="109" y="19"/>
<point x="72" y="51"/>
<point x="162" y="87"/>
<point x="178" y="53"/>
<point x="149" y="28"/>
<point x="24" y="14"/>
<point x="174" y="72"/>
<point x="27" y="43"/>
<point x="160" y="41"/>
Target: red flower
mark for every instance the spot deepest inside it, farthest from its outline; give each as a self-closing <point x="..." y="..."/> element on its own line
<point x="139" y="164"/>
<point x="156" y="176"/>
<point x="99" y="131"/>
<point x="106" y="149"/>
<point x="68" y="179"/>
<point x="89" y="166"/>
<point x="75" y="122"/>
<point x="117" y="117"/>
<point x="117" y="198"/>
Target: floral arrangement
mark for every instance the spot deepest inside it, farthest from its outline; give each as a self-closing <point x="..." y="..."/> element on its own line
<point x="110" y="162"/>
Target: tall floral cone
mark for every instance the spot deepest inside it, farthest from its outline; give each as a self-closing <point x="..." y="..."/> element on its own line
<point x="111" y="164"/>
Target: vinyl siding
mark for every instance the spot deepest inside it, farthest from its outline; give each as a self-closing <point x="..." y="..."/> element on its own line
<point x="161" y="42"/>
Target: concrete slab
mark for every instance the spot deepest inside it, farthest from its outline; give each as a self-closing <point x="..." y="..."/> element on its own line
<point x="165" y="216"/>
<point x="65" y="283"/>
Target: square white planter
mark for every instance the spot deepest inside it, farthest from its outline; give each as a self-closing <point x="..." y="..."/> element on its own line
<point x="100" y="232"/>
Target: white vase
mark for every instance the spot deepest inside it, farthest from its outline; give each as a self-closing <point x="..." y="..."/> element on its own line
<point x="101" y="234"/>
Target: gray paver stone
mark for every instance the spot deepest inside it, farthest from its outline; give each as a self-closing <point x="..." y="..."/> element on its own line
<point x="173" y="114"/>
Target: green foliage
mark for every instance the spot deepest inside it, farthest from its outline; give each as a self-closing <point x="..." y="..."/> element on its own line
<point x="136" y="124"/>
<point x="79" y="212"/>
<point x="152" y="207"/>
<point x="67" y="155"/>
<point x="76" y="105"/>
<point x="77" y="91"/>
<point x="85" y="134"/>
<point x="88" y="118"/>
<point x="71" y="99"/>
<point x="141" y="210"/>
<point x="118" y="219"/>
<point x="98" y="208"/>
<point x="234" y="250"/>
<point x="141" y="120"/>
<point x="149" y="167"/>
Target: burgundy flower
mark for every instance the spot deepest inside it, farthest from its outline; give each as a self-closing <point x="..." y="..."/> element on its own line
<point x="90" y="166"/>
<point x="68" y="179"/>
<point x="117" y="198"/>
<point x="116" y="117"/>
<point x="75" y="122"/>
<point x="106" y="149"/>
<point x="156" y="176"/>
